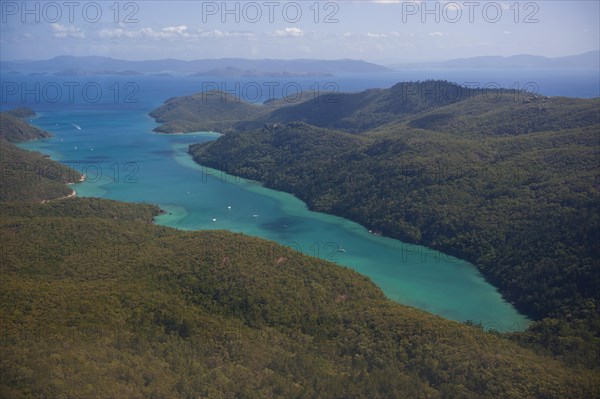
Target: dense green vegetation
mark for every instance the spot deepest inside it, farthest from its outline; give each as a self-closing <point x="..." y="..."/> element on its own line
<point x="105" y="308"/>
<point x="458" y="195"/>
<point x="15" y="130"/>
<point x="24" y="175"/>
<point x="432" y="105"/>
<point x="83" y="208"/>
<point x="510" y="185"/>
<point x="31" y="176"/>
<point x="96" y="301"/>
<point x="212" y="111"/>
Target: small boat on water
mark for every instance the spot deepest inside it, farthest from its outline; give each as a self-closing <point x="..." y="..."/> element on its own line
<point x="76" y="126"/>
<point x="340" y="249"/>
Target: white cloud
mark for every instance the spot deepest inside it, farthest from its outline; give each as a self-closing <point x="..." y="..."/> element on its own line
<point x="171" y="32"/>
<point x="214" y="34"/>
<point x="437" y="34"/>
<point x="376" y="35"/>
<point x="218" y="34"/>
<point x="289" y="32"/>
<point x="176" y="29"/>
<point x="112" y="33"/>
<point x="62" y="31"/>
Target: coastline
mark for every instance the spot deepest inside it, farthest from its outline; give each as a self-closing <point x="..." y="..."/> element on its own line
<point x="374" y="232"/>
<point x="73" y="193"/>
<point x="353" y="261"/>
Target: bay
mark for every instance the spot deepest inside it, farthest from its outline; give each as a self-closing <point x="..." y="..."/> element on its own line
<point x="124" y="160"/>
<point x="111" y="139"/>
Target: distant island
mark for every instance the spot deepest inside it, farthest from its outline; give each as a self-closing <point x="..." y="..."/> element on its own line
<point x="590" y="60"/>
<point x="82" y="72"/>
<point x="82" y="66"/>
<point x="253" y="73"/>
<point x="241" y="67"/>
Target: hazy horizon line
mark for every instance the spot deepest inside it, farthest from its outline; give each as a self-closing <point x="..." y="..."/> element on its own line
<point x="377" y="62"/>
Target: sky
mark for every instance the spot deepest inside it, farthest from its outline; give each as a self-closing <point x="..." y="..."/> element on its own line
<point x="381" y="31"/>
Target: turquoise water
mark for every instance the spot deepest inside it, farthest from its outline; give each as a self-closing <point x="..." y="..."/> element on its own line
<point x="124" y="160"/>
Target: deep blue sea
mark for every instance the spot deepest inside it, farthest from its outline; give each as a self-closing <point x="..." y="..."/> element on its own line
<point x="102" y="128"/>
<point x="45" y="92"/>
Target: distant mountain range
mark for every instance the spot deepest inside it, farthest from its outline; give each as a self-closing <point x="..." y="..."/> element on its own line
<point x="586" y="60"/>
<point x="253" y="73"/>
<point x="69" y="65"/>
<point x="240" y="67"/>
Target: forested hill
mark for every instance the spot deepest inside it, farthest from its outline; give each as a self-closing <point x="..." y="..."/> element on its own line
<point x="431" y="105"/>
<point x="26" y="175"/>
<point x="511" y="186"/>
<point x="29" y="176"/>
<point x="354" y="112"/>
<point x="204" y="112"/>
<point x="13" y="129"/>
<point x="95" y="301"/>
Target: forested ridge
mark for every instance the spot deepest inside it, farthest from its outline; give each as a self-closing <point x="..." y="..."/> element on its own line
<point x="510" y="185"/>
<point x="439" y="192"/>
<point x="96" y="301"/>
<point x="15" y="129"/>
<point x="24" y="174"/>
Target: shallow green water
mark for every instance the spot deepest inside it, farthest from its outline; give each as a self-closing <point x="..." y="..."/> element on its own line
<point x="125" y="161"/>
